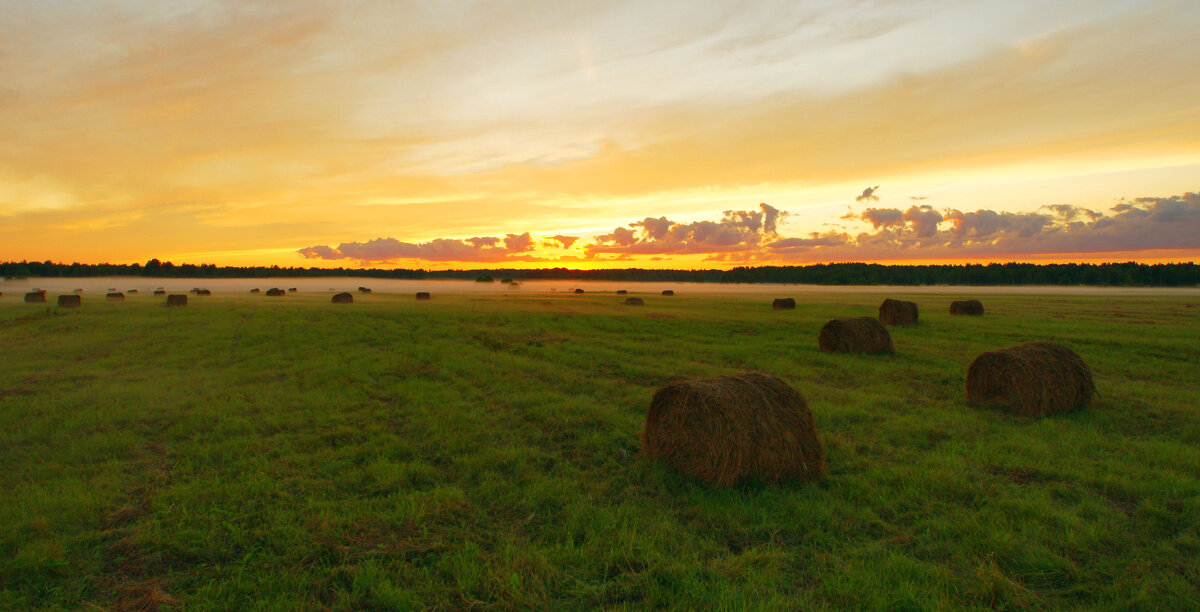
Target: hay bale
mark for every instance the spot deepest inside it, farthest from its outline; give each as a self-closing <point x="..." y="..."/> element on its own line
<point x="668" y="292"/>
<point x="203" y="292"/>
<point x="344" y="297"/>
<point x="255" y="290"/>
<point x="506" y="281"/>
<point x="132" y="291"/>
<point x="423" y="295"/>
<point x="177" y="299"/>
<point x="784" y="304"/>
<point x="77" y="291"/>
<point x="35" y="297"/>
<point x="69" y="301"/>
<point x="730" y="429"/>
<point x="291" y="289"/>
<point x="898" y="312"/>
<point x="274" y="292"/>
<point x="364" y="289"/>
<point x="579" y="291"/>
<point x="973" y="308"/>
<point x="634" y="301"/>
<point x="114" y="296"/>
<point x="857" y="335"/>
<point x="1034" y="379"/>
<point x="621" y="292"/>
<point x="159" y="292"/>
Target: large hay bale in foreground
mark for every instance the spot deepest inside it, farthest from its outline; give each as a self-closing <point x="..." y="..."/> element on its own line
<point x="972" y="308"/>
<point x="344" y="297"/>
<point x="69" y="301"/>
<point x="177" y="299"/>
<point x="275" y="292"/>
<point x="1034" y="379"/>
<point x="784" y="304"/>
<point x="634" y="301"/>
<point x="898" y="312"/>
<point x="730" y="429"/>
<point x="423" y="295"/>
<point x="115" y="296"/>
<point x="35" y="297"/>
<point x="668" y="292"/>
<point x="857" y="335"/>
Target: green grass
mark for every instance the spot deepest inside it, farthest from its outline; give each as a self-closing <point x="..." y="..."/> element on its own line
<point x="285" y="453"/>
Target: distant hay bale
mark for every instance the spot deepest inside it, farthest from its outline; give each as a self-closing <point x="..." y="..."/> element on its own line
<point x="857" y="335"/>
<point x="579" y="291"/>
<point x="634" y="301"/>
<point x="731" y="429"/>
<point x="115" y="296"/>
<point x="203" y="292"/>
<point x="784" y="304"/>
<point x="292" y="289"/>
<point x="35" y="297"/>
<point x="255" y="290"/>
<point x="506" y="281"/>
<point x="1034" y="379"/>
<point x="668" y="292"/>
<point x="112" y="288"/>
<point x="159" y="292"/>
<point x="132" y="291"/>
<point x="364" y="289"/>
<point x="621" y="292"/>
<point x="77" y="291"/>
<point x="275" y="292"/>
<point x="69" y="301"/>
<point x="423" y="295"/>
<point x="972" y="308"/>
<point x="898" y="312"/>
<point x="177" y="299"/>
<point x="344" y="297"/>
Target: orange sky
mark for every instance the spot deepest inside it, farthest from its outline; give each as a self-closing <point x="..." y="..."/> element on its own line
<point x="441" y="135"/>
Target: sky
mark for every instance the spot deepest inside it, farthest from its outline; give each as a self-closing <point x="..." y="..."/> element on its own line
<point x="684" y="134"/>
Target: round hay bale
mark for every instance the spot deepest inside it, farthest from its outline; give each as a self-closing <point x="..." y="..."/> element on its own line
<point x="177" y="299"/>
<point x="634" y="301"/>
<point x="255" y="290"/>
<point x="35" y="297"/>
<point x="423" y="295"/>
<point x="579" y="291"/>
<point x="291" y="290"/>
<point x="898" y="312"/>
<point x="1034" y="379"/>
<point x="973" y="308"/>
<point x="132" y="291"/>
<point x="201" y="291"/>
<point x="159" y="292"/>
<point x="668" y="292"/>
<point x="344" y="297"/>
<point x="621" y="292"/>
<point x="274" y="292"/>
<point x="115" y="296"/>
<point x="69" y="301"/>
<point x="784" y="304"/>
<point x="731" y="429"/>
<point x="77" y="291"/>
<point x="857" y="335"/>
<point x="364" y="289"/>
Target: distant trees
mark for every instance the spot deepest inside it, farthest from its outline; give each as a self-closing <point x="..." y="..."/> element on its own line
<point x="1127" y="274"/>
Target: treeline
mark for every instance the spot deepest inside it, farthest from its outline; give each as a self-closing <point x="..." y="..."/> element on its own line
<point x="1109" y="274"/>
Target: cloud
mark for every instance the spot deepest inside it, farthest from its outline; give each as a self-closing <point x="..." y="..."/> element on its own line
<point x="482" y="249"/>
<point x="737" y="231"/>
<point x="867" y="195"/>
<point x="563" y="241"/>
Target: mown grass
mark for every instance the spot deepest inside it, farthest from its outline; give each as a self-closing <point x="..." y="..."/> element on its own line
<point x="285" y="453"/>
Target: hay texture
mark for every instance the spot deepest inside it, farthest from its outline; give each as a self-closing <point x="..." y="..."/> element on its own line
<point x="177" y="299"/>
<point x="857" y="335"/>
<point x="634" y="301"/>
<point x="731" y="429"/>
<point x="423" y="295"/>
<point x="898" y="312"/>
<point x="668" y="292"/>
<point x="1035" y="379"/>
<point x="115" y="296"/>
<point x="344" y="297"/>
<point x="275" y="292"/>
<point x="69" y="301"/>
<point x="973" y="308"/>
<point x="35" y="297"/>
<point x="784" y="304"/>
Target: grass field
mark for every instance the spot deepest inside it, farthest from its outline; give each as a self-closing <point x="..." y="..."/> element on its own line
<point x="248" y="452"/>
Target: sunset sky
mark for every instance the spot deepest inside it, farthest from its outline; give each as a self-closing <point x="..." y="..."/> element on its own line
<point x="599" y="134"/>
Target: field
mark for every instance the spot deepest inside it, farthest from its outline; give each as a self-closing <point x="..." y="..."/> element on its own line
<point x="248" y="452"/>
